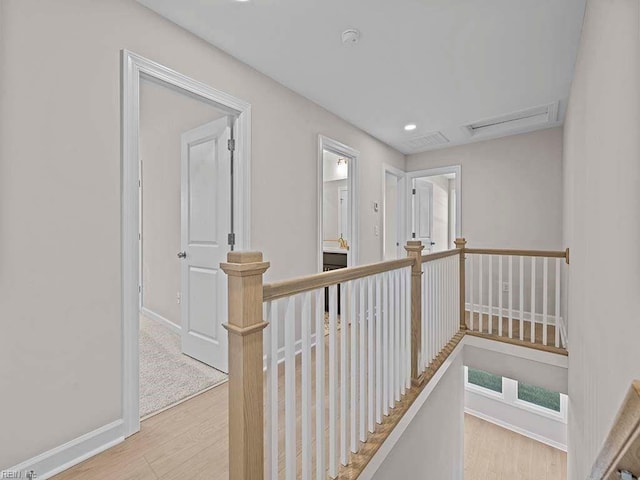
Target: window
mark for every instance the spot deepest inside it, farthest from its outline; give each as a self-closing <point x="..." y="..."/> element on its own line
<point x="538" y="396"/>
<point x="485" y="379"/>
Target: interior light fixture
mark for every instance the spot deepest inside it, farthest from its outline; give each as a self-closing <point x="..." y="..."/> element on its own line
<point x="342" y="161"/>
<point x="410" y="126"/>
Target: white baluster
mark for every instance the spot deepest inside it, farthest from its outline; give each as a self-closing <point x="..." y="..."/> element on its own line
<point x="320" y="379"/>
<point x="403" y="317"/>
<point x="392" y="330"/>
<point x="306" y="386"/>
<point x="490" y="298"/>
<point x="481" y="300"/>
<point x="545" y="288"/>
<point x="521" y="298"/>
<point x="370" y="347"/>
<point x="362" y="365"/>
<point x="272" y="388"/>
<point x="354" y="364"/>
<point x="385" y="343"/>
<point x="290" y="388"/>
<point x="533" y="299"/>
<point x="407" y="322"/>
<point x="397" y="339"/>
<point x="378" y="312"/>
<point x="557" y="322"/>
<point x="333" y="381"/>
<point x="471" y="281"/>
<point x="510" y="296"/>
<point x="344" y="369"/>
<point x="500" y="295"/>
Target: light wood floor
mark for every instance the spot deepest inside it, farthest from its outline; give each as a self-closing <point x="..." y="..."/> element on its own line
<point x="494" y="453"/>
<point x="189" y="441"/>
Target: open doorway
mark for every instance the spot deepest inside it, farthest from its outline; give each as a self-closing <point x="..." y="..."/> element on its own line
<point x="185" y="218"/>
<point x="435" y="207"/>
<point x="337" y="223"/>
<point x="393" y="216"/>
<point x="185" y="205"/>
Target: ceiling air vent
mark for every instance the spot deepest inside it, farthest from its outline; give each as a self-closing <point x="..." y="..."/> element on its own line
<point x="522" y="120"/>
<point x="423" y="142"/>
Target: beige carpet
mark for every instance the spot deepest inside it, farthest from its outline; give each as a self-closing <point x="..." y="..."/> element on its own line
<point x="166" y="375"/>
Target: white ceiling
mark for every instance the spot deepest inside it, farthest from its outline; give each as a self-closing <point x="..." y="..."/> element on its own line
<point x="440" y="64"/>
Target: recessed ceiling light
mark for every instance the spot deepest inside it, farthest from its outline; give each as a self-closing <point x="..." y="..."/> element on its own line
<point x="410" y="126"/>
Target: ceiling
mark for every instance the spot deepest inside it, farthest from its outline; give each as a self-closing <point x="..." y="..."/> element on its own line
<point x="440" y="64"/>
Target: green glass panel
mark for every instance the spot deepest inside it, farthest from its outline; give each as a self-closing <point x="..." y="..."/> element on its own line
<point x="539" y="396"/>
<point x="485" y="379"/>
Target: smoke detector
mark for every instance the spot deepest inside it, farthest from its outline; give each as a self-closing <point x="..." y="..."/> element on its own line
<point x="350" y="36"/>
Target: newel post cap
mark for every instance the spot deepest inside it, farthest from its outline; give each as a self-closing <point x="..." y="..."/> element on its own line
<point x="460" y="242"/>
<point x="241" y="264"/>
<point x="415" y="246"/>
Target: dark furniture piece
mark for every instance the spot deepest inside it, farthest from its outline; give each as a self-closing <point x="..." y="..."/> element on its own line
<point x="332" y="261"/>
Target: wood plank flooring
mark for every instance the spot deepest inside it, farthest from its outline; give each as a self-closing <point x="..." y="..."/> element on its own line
<point x="515" y="325"/>
<point x="494" y="453"/>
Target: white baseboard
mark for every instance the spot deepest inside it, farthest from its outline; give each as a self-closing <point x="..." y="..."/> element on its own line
<point x="515" y="314"/>
<point x="58" y="459"/>
<point x="513" y="428"/>
<point x="159" y="318"/>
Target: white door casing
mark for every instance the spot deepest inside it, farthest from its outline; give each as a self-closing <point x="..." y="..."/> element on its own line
<point x="205" y="223"/>
<point x="135" y="67"/>
<point x="423" y="213"/>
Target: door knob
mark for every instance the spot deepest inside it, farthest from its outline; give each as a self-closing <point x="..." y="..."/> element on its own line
<point x="182" y="254"/>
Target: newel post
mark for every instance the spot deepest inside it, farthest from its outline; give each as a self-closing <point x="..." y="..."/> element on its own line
<point x="246" y="415"/>
<point x="461" y="244"/>
<point x="414" y="250"/>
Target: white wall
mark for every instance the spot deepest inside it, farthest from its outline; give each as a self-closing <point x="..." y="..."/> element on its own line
<point x="164" y="116"/>
<point x="511" y="189"/>
<point x="392" y="189"/>
<point x="60" y="275"/>
<point x="602" y="208"/>
<point x="432" y="446"/>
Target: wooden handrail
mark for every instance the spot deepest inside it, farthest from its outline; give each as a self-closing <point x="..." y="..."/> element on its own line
<point x="286" y="288"/>
<point x="521" y="253"/>
<point x="430" y="257"/>
<point x="618" y="451"/>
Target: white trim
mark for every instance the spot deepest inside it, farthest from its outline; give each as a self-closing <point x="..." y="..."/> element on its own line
<point x="515" y="314"/>
<point x="386" y="447"/>
<point x="151" y="315"/>
<point x="402" y="194"/>
<point x="135" y="67"/>
<point x="65" y="456"/>
<point x="513" y="428"/>
<point x="455" y="169"/>
<point x="326" y="143"/>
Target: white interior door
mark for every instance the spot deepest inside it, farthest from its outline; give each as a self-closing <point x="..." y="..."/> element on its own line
<point x="205" y="224"/>
<point x="423" y="213"/>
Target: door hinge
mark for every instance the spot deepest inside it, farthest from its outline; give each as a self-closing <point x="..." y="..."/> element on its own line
<point x="231" y="144"/>
<point x="139" y="288"/>
<point x="413" y="235"/>
<point x="413" y="191"/>
<point x="231" y="239"/>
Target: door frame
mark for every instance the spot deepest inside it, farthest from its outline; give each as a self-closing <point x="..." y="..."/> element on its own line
<point x="402" y="206"/>
<point x="457" y="170"/>
<point x="326" y="143"/>
<point x="134" y="69"/>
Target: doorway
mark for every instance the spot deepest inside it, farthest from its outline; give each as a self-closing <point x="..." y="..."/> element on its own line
<point x="337" y="192"/>
<point x="185" y="205"/>
<point x="393" y="214"/>
<point x="435" y="207"/>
